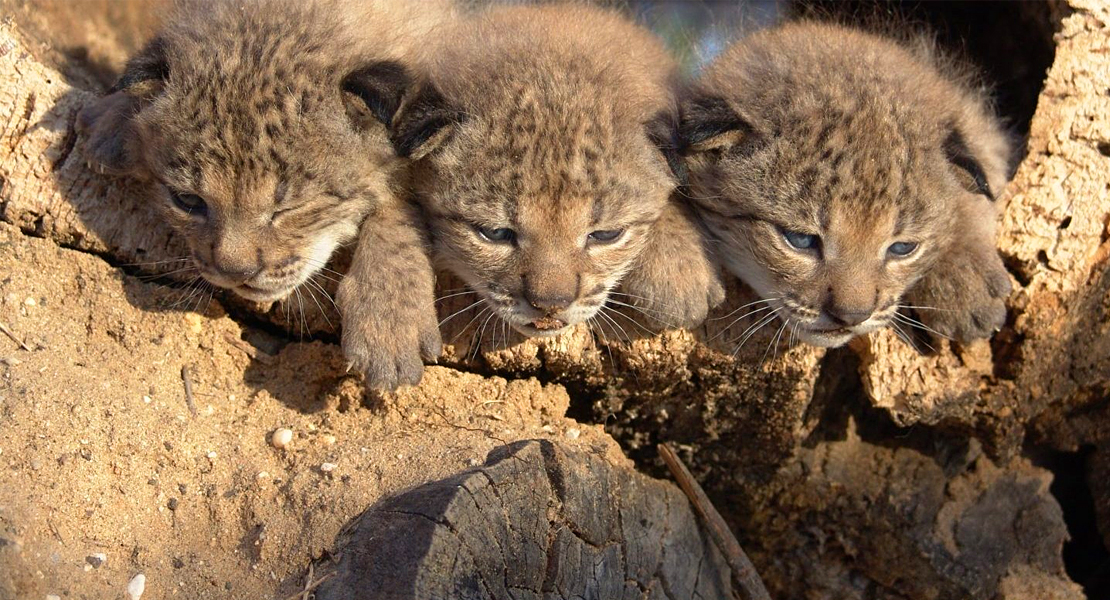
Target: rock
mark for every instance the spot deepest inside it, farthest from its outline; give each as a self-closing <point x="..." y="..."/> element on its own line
<point x="281" y="438"/>
<point x="136" y="587"/>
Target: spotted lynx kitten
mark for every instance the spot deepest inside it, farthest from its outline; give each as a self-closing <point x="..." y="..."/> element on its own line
<point x="845" y="178"/>
<point x="264" y="122"/>
<point x="540" y="147"/>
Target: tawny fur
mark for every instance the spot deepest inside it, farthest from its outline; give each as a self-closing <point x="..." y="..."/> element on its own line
<point x="822" y="130"/>
<point x="242" y="104"/>
<point x="547" y="121"/>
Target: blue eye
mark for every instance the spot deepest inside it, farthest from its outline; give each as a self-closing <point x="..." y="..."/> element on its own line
<point x="902" y="248"/>
<point x="190" y="203"/>
<point x="605" y="236"/>
<point x="500" y="234"/>
<point x="802" y="241"/>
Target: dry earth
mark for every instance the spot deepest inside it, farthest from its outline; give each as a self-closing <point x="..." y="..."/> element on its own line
<point x="872" y="472"/>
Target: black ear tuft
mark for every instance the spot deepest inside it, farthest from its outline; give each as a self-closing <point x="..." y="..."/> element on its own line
<point x="707" y="117"/>
<point x="381" y="86"/>
<point x="420" y="120"/>
<point x="955" y="148"/>
<point x="150" y="64"/>
<point x="662" y="130"/>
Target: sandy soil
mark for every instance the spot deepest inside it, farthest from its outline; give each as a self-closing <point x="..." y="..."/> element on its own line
<point x="100" y="454"/>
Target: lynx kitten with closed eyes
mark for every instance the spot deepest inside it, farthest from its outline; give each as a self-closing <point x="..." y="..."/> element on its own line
<point x="264" y="122"/>
<point x="846" y="178"/>
<point x="539" y="145"/>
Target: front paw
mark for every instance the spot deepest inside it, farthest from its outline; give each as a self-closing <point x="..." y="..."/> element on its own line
<point x="965" y="300"/>
<point x="391" y="355"/>
<point x="679" y="299"/>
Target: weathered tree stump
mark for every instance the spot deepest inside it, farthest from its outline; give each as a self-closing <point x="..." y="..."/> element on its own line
<point x="535" y="522"/>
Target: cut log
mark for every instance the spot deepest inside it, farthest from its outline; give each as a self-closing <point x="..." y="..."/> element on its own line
<point x="535" y="522"/>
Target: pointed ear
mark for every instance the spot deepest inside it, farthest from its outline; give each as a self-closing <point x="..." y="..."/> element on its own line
<point x="112" y="142"/>
<point x="710" y="123"/>
<point x="424" y="121"/>
<point x="380" y="86"/>
<point x="968" y="169"/>
<point x="662" y="130"/>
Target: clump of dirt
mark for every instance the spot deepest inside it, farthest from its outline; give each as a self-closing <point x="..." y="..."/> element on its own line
<point x="100" y="453"/>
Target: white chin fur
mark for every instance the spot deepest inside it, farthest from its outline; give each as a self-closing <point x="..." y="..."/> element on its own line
<point x="269" y="291"/>
<point x="816" y="338"/>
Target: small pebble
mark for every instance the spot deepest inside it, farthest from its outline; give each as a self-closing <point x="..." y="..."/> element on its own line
<point x="11" y="361"/>
<point x="53" y="597"/>
<point x="262" y="475"/>
<point x="329" y="439"/>
<point x="147" y="399"/>
<point x="136" y="587"/>
<point x="172" y="504"/>
<point x="328" y="467"/>
<point x="573" y="433"/>
<point x="30" y="301"/>
<point x="281" y="437"/>
<point x="96" y="560"/>
<point x="212" y="454"/>
<point x="472" y="462"/>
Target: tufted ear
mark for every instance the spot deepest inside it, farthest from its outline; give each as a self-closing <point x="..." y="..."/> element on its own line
<point x="112" y="142"/>
<point x="380" y="86"/>
<point x="662" y="130"/>
<point x="969" y="170"/>
<point x="710" y="123"/>
<point x="423" y="122"/>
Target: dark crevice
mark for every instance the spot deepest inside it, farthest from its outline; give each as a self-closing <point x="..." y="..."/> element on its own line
<point x="1086" y="557"/>
<point x="1017" y="269"/>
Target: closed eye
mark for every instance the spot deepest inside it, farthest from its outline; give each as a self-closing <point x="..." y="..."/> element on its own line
<point x="281" y="212"/>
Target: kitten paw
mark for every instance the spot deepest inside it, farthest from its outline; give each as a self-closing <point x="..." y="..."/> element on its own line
<point x="392" y="355"/>
<point x="676" y="299"/>
<point x="965" y="300"/>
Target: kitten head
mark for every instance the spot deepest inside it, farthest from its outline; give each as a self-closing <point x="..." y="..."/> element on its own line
<point x="540" y="178"/>
<point x="828" y="164"/>
<point x="264" y="131"/>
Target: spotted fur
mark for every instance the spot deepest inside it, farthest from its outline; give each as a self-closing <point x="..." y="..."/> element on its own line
<point x="820" y="130"/>
<point x="544" y="121"/>
<point x="265" y="124"/>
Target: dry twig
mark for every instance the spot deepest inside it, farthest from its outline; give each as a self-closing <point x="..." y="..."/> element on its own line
<point x="249" y="350"/>
<point x="11" y="334"/>
<point x="751" y="586"/>
<point x="309" y="584"/>
<point x="188" y="389"/>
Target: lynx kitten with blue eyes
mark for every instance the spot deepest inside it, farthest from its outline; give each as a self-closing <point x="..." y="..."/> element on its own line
<point x="264" y="124"/>
<point x="540" y="153"/>
<point x="851" y="182"/>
